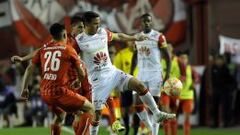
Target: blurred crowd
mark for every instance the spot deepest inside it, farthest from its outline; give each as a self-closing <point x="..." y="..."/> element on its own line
<point x="218" y="101"/>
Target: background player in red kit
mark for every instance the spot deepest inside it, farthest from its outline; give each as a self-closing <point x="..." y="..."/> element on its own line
<point x="55" y="59"/>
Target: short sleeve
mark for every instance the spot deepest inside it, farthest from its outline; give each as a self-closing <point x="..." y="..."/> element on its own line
<point x="109" y="35"/>
<point x="36" y="59"/>
<point x="162" y="41"/>
<point x="74" y="58"/>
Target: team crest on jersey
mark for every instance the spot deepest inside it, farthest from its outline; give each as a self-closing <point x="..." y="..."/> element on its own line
<point x="80" y="38"/>
<point x="144" y="51"/>
<point x="100" y="57"/>
<point x="155" y="35"/>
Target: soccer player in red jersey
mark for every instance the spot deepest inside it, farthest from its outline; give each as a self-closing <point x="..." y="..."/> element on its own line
<point x="55" y="59"/>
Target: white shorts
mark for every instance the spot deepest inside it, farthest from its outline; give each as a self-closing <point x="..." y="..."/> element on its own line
<point x="152" y="81"/>
<point x="154" y="87"/>
<point x="101" y="89"/>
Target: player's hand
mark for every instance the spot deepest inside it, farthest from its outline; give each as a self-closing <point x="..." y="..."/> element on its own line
<point x="16" y="58"/>
<point x="24" y="95"/>
<point x="141" y="37"/>
<point x="75" y="85"/>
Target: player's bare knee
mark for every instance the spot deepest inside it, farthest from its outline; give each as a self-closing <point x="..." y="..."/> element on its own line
<point x="88" y="107"/>
<point x="91" y="109"/>
<point x="59" y="118"/>
<point x="136" y="85"/>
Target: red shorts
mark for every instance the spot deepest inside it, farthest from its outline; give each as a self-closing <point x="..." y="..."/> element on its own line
<point x="186" y="105"/>
<point x="166" y="100"/>
<point x="68" y="101"/>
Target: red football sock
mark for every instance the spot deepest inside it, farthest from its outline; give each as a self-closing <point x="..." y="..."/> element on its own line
<point x="110" y="104"/>
<point x="139" y="107"/>
<point x="55" y="129"/>
<point x="186" y="127"/>
<point x="174" y="126"/>
<point x="75" y="126"/>
<point x="166" y="126"/>
<point x="83" y="124"/>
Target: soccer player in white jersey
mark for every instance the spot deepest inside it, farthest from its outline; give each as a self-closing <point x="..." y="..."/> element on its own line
<point x="93" y="42"/>
<point x="150" y="70"/>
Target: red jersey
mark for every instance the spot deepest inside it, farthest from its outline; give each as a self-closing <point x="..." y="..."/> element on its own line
<point x="55" y="60"/>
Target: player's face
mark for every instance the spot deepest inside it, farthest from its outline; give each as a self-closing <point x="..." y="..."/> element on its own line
<point x="146" y="23"/>
<point x="131" y="45"/>
<point x="94" y="25"/>
<point x="184" y="58"/>
<point x="77" y="28"/>
<point x="219" y="62"/>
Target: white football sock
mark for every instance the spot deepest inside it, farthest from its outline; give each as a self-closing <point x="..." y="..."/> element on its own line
<point x="143" y="115"/>
<point x="94" y="130"/>
<point x="148" y="100"/>
<point x="155" y="128"/>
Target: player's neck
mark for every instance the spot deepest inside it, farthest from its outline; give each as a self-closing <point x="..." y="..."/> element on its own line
<point x="89" y="32"/>
<point x="59" y="41"/>
<point x="146" y="31"/>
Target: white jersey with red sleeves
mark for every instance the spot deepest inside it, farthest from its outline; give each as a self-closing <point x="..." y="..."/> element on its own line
<point x="149" y="55"/>
<point x="95" y="52"/>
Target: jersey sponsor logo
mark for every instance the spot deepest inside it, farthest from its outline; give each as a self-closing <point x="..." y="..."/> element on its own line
<point x="100" y="59"/>
<point x="80" y="38"/>
<point x="144" y="51"/>
<point x="154" y="35"/>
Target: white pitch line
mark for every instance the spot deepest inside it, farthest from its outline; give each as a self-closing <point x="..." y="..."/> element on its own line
<point x="66" y="129"/>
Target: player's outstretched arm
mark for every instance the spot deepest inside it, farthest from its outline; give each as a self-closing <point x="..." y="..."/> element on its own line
<point x="125" y="37"/>
<point x="26" y="78"/>
<point x="169" y="62"/>
<point x="16" y="58"/>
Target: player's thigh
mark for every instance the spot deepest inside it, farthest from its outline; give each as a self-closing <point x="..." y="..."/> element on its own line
<point x="56" y="110"/>
<point x="187" y="106"/>
<point x="135" y="85"/>
<point x="123" y="80"/>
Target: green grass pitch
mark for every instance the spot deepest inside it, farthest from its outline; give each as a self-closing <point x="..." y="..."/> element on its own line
<point x="103" y="131"/>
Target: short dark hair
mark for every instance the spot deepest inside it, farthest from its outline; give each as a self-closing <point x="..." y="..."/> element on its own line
<point x="145" y="15"/>
<point x="76" y="19"/>
<point x="56" y="31"/>
<point x="89" y="15"/>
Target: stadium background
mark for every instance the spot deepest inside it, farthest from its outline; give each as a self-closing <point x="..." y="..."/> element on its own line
<point x="200" y="27"/>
